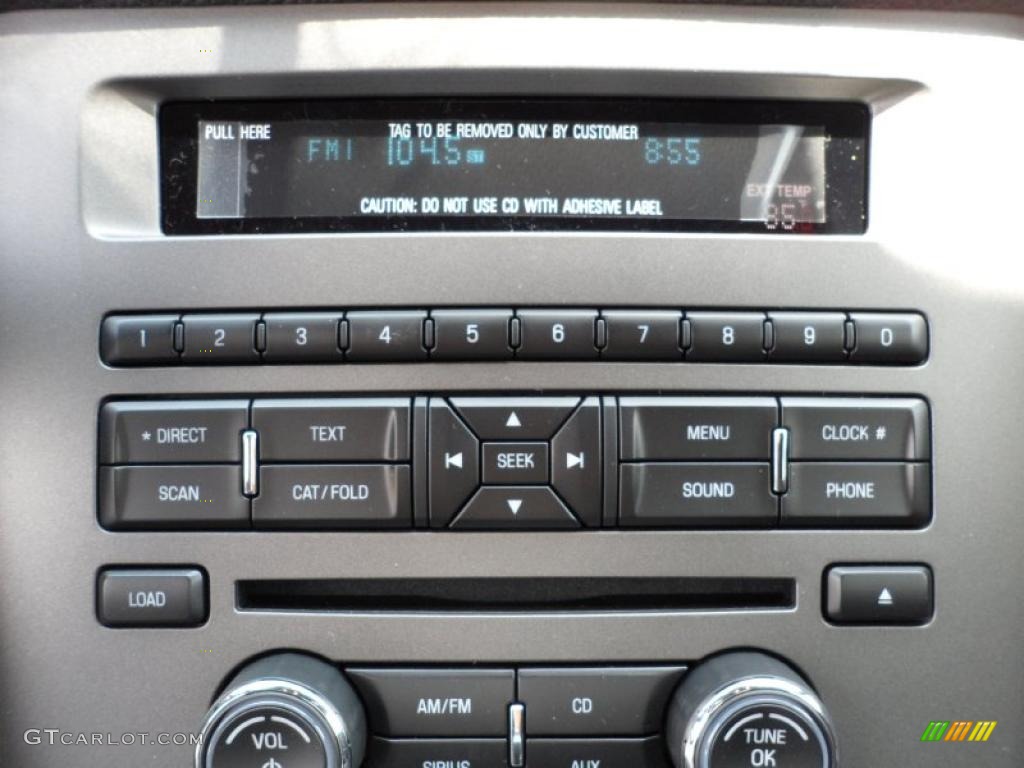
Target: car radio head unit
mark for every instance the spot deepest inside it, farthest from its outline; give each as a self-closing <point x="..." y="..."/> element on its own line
<point x="474" y="164"/>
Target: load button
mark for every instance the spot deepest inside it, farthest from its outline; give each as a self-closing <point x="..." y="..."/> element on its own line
<point x="137" y="597"/>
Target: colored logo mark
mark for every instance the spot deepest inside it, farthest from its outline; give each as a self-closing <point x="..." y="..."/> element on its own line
<point x="959" y="730"/>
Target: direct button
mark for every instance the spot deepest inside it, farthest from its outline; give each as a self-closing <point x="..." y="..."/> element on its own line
<point x="857" y="429"/>
<point x="137" y="597"/>
<point x="696" y="495"/>
<point x="172" y="497"/>
<point x="334" y="496"/>
<point x="513" y="463"/>
<point x="876" y="594"/>
<point x="436" y="702"/>
<point x="855" y="495"/>
<point x="697" y="428"/>
<point x="335" y="429"/>
<point x="600" y="701"/>
<point x="178" y="432"/>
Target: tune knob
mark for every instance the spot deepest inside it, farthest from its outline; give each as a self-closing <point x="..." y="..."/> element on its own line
<point x="285" y="711"/>
<point x="748" y="710"/>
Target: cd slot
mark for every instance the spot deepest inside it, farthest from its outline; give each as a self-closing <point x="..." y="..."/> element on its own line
<point x="515" y="595"/>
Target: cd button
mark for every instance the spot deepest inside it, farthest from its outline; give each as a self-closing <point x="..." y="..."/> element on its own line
<point x="512" y="463"/>
<point x="386" y="336"/>
<point x="514" y="507"/>
<point x="856" y="495"/>
<point x="812" y="337"/>
<point x="220" y="339"/>
<point x="515" y="418"/>
<point x="138" y="339"/>
<point x="475" y="334"/>
<point x="334" y="496"/>
<point x="599" y="701"/>
<point x="333" y="429"/>
<point x="696" y="495"/>
<point x="557" y="335"/>
<point x="302" y="338"/>
<point x="726" y="337"/>
<point x="642" y="335"/>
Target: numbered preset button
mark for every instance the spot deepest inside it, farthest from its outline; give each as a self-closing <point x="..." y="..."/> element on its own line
<point x="889" y="338"/>
<point x="726" y="337"/>
<point x="386" y="336"/>
<point x="302" y="337"/>
<point x="138" y="339"/>
<point x="813" y="337"/>
<point x="475" y="334"/>
<point x="558" y="334"/>
<point x="220" y="338"/>
<point x="650" y="335"/>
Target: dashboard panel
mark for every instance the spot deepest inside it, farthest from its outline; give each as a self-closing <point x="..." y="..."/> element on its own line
<point x="658" y="473"/>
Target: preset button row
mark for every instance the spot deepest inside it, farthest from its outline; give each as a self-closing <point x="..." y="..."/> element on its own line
<point x="505" y="334"/>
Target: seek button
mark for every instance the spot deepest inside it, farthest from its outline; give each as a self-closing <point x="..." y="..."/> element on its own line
<point x="515" y="463"/>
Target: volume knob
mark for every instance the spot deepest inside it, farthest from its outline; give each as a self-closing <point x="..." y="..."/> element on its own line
<point x="285" y="711"/>
<point x="749" y="710"/>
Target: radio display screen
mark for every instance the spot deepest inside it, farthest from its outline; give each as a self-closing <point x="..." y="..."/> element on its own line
<point x="415" y="165"/>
